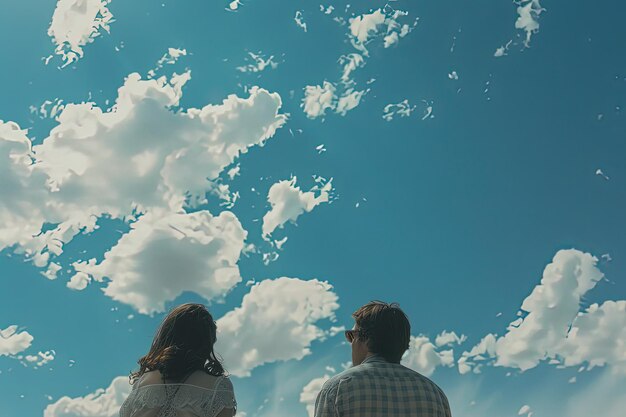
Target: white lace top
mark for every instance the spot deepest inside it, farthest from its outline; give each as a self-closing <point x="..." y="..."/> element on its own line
<point x="201" y="395"/>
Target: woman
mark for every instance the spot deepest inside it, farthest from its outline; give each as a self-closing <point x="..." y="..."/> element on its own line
<point x="181" y="376"/>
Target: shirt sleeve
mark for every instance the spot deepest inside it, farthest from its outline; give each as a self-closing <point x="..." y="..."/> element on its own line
<point x="225" y="394"/>
<point x="325" y="403"/>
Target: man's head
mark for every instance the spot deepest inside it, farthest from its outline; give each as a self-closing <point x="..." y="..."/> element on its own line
<point x="380" y="328"/>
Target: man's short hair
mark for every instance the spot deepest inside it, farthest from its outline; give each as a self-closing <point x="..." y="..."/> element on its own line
<point x="385" y="328"/>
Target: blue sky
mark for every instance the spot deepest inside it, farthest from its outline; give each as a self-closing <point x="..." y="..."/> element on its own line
<point x="454" y="215"/>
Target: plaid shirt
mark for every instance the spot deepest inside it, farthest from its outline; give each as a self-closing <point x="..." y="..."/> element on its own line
<point x="377" y="388"/>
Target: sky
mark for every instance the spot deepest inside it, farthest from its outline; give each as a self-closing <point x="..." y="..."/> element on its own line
<point x="286" y="164"/>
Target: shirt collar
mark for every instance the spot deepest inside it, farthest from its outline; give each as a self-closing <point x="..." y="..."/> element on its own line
<point x="374" y="358"/>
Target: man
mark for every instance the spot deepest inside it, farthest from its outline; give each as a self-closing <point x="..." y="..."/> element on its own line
<point x="377" y="385"/>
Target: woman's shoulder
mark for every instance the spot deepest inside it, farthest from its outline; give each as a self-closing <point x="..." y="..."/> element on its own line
<point x="203" y="379"/>
<point x="199" y="378"/>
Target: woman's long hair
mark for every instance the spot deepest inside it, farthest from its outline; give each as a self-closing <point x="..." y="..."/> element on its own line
<point x="182" y="344"/>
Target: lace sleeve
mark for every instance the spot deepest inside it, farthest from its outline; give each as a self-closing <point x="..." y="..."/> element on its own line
<point x="224" y="397"/>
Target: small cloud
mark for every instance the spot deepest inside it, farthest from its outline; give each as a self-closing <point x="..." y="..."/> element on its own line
<point x="299" y="18"/>
<point x="602" y="174"/>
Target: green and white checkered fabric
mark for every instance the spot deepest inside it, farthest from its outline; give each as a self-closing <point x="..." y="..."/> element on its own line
<point x="377" y="388"/>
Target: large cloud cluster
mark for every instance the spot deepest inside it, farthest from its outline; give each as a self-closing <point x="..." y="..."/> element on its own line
<point x="551" y="326"/>
<point x="143" y="158"/>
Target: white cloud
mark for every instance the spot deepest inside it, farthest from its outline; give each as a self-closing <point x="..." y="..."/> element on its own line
<point x="402" y="109"/>
<point x="309" y="393"/>
<point x="552" y="306"/>
<point x="13" y="342"/>
<point x="284" y="309"/>
<point x="41" y="358"/>
<point x="424" y="357"/>
<point x="288" y="202"/>
<point x="551" y="327"/>
<point x="140" y="156"/>
<point x="52" y="271"/>
<point x="259" y="63"/>
<point x="327" y="10"/>
<point x="486" y="348"/>
<point x="101" y="403"/>
<point x="528" y="18"/>
<point x="501" y="51"/>
<point x="75" y="23"/>
<point x="446" y="338"/>
<point x="163" y="256"/>
<point x="598" y="337"/>
<point x="365" y="27"/>
<point x="300" y="20"/>
<point x="391" y="39"/>
<point x="350" y="63"/>
<point x="139" y="159"/>
<point x="317" y="99"/>
<point x="428" y="111"/>
<point x="169" y="58"/>
<point x="349" y="100"/>
<point x="22" y="212"/>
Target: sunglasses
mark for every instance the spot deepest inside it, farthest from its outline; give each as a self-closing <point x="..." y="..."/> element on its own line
<point x="350" y="335"/>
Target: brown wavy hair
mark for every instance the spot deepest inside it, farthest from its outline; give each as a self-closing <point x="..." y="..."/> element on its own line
<point x="182" y="344"/>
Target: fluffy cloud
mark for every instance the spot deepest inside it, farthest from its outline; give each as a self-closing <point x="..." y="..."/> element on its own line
<point x="550" y="325"/>
<point x="446" y="338"/>
<point x="142" y="155"/>
<point x="349" y="100"/>
<point x="598" y="337"/>
<point x="275" y="322"/>
<point x="423" y="356"/>
<point x="350" y="63"/>
<point x="288" y="202"/>
<point x="163" y="256"/>
<point x="101" y="403"/>
<point x="365" y="27"/>
<point x="13" y="342"/>
<point x="40" y="359"/>
<point x="75" y="23"/>
<point x="137" y="157"/>
<point x="551" y="308"/>
<point x="309" y="393"/>
<point x="22" y="212"/>
<point x="317" y="99"/>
